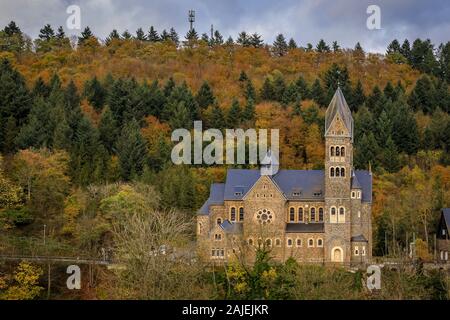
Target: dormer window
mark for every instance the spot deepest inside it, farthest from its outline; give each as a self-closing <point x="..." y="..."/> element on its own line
<point x="296" y="194"/>
<point x="237" y="194"/>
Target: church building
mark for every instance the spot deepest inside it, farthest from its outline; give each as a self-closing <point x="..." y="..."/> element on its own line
<point x="314" y="216"/>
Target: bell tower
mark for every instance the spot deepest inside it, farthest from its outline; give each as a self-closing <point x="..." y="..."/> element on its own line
<point x="337" y="175"/>
<point x="338" y="147"/>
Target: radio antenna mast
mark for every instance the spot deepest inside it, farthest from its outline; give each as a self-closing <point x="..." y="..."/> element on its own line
<point x="191" y="19"/>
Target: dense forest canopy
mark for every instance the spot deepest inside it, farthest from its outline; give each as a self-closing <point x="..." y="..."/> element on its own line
<point x="86" y="124"/>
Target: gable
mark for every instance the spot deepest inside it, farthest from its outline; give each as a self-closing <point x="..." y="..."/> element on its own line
<point x="338" y="127"/>
<point x="265" y="188"/>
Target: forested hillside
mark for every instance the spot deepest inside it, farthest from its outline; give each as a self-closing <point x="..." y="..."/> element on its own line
<point x="86" y="124"/>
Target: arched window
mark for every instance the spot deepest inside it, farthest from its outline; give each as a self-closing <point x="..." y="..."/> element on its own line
<point x="219" y="221"/>
<point x="319" y="242"/>
<point x="341" y="214"/>
<point x="310" y="243"/>
<point x="250" y="241"/>
<point x="332" y="152"/>
<point x="337" y="152"/>
<point x="289" y="242"/>
<point x="269" y="242"/>
<point x="342" y="172"/>
<point x="342" y="151"/>
<point x="313" y="214"/>
<point x="233" y="214"/>
<point x="300" y="214"/>
<point x="331" y="172"/>
<point x="320" y="214"/>
<point x="299" y="242"/>
<point x="291" y="214"/>
<point x="333" y="216"/>
<point x="337" y="172"/>
<point x="278" y="242"/>
<point x="241" y="214"/>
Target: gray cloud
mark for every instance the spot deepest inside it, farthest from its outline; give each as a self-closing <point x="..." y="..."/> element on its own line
<point x="305" y="21"/>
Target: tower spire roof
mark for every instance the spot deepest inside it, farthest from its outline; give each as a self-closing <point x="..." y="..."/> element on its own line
<point x="338" y="106"/>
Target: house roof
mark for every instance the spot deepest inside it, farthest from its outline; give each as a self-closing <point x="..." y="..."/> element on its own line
<point x="338" y="106"/>
<point x="215" y="197"/>
<point x="359" y="238"/>
<point x="355" y="182"/>
<point x="294" y="184"/>
<point x="305" y="227"/>
<point x="231" y="227"/>
<point x="446" y="215"/>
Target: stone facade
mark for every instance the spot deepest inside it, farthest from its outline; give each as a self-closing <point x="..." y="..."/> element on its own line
<point x="314" y="217"/>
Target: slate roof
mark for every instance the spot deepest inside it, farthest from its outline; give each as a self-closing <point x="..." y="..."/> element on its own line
<point x="359" y="238"/>
<point x="339" y="106"/>
<point x="305" y="227"/>
<point x="294" y="184"/>
<point x="215" y="197"/>
<point x="355" y="182"/>
<point x="446" y="215"/>
<point x="230" y="227"/>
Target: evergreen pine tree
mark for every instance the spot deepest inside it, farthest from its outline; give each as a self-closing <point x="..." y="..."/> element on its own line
<point x="249" y="110"/>
<point x="358" y="96"/>
<point x="336" y="47"/>
<point x="205" y="96"/>
<point x="322" y="46"/>
<point x="280" y="46"/>
<point x="217" y="120"/>
<point x="256" y="41"/>
<point x="173" y="36"/>
<point x="406" y="50"/>
<point x="168" y="87"/>
<point x="114" y="35"/>
<point x="292" y="44"/>
<point x="95" y="93"/>
<point x="389" y="92"/>
<point x="153" y="35"/>
<point x="366" y="151"/>
<point x="302" y="88"/>
<point x="394" y="47"/>
<point x="250" y="92"/>
<point x="131" y="150"/>
<point x="243" y="39"/>
<point x="229" y="42"/>
<point x="14" y="97"/>
<point x="406" y="134"/>
<point x="60" y="34"/>
<point x="317" y="93"/>
<point x="165" y="36"/>
<point x="423" y="94"/>
<point x="46" y="33"/>
<point x="40" y="89"/>
<point x="390" y="156"/>
<point x="108" y="130"/>
<point x="243" y="76"/>
<point x="85" y="35"/>
<point x="267" y="90"/>
<point x="234" y="115"/>
<point x="217" y="39"/>
<point x="140" y="35"/>
<point x="279" y="88"/>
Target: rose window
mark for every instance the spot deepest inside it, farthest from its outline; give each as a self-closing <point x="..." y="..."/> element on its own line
<point x="264" y="216"/>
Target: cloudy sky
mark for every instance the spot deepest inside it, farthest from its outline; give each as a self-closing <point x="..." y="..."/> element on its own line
<point x="304" y="20"/>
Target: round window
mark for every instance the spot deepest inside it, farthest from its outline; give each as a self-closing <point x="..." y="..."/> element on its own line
<point x="264" y="216"/>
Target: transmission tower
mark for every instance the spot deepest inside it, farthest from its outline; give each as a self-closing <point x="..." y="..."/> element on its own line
<point x="191" y="19"/>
